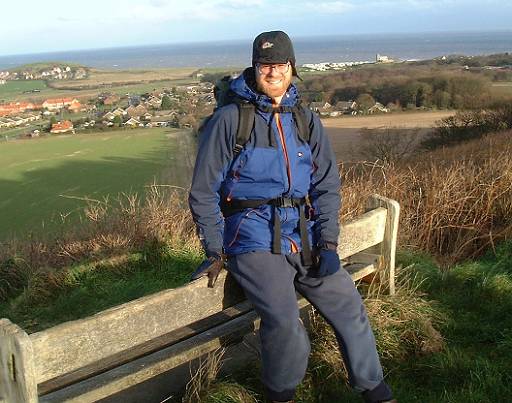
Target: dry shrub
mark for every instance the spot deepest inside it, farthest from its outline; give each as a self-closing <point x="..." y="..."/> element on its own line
<point x="403" y="324"/>
<point x="201" y="381"/>
<point x="204" y="387"/>
<point x="455" y="202"/>
<point x="109" y="228"/>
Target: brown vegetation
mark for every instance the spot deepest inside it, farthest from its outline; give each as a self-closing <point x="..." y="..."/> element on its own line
<point x="456" y="202"/>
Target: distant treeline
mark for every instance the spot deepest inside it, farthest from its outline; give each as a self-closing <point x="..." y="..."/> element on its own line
<point x="454" y="82"/>
<point x="403" y="87"/>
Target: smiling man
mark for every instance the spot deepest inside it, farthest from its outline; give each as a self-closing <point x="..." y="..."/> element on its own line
<point x="269" y="204"/>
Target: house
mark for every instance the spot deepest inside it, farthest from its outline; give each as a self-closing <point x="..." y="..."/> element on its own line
<point x="133" y="123"/>
<point x="383" y="59"/>
<point x="320" y="106"/>
<point x="62" y="127"/>
<point x="346" y="107"/>
<point x="154" y="102"/>
<point x="147" y="116"/>
<point x="109" y="116"/>
<point x="12" y="108"/>
<point x="111" y="100"/>
<point x="75" y="106"/>
<point x="377" y="108"/>
<point x="136" y="111"/>
<point x="119" y="112"/>
<point x="55" y="104"/>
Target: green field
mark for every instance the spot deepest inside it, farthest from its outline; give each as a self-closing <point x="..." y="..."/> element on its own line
<point x="43" y="180"/>
<point x="13" y="89"/>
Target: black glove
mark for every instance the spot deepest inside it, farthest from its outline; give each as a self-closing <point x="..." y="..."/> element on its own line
<point x="327" y="260"/>
<point x="210" y="267"/>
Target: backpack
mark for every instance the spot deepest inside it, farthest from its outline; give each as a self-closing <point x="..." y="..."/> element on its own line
<point x="225" y="96"/>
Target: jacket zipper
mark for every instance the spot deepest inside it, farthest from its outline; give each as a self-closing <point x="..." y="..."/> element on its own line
<point x="285" y="151"/>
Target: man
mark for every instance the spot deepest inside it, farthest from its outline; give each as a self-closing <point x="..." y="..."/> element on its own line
<point x="250" y="202"/>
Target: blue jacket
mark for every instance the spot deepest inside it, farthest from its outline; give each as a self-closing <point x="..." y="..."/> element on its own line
<point x="270" y="165"/>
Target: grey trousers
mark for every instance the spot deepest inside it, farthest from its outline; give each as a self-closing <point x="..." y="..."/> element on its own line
<point x="270" y="282"/>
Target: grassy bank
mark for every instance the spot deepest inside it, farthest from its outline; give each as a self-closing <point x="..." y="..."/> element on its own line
<point x="46" y="181"/>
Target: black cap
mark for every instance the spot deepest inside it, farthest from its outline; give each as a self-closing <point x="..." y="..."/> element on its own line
<point x="273" y="47"/>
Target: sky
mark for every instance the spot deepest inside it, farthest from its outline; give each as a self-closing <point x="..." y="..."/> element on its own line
<point x="36" y="26"/>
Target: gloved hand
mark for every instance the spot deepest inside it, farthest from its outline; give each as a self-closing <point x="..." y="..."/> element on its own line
<point x="210" y="267"/>
<point x="328" y="262"/>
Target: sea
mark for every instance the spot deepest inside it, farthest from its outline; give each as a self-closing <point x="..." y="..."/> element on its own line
<point x="317" y="49"/>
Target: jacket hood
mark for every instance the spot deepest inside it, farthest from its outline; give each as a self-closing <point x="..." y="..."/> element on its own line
<point x="245" y="87"/>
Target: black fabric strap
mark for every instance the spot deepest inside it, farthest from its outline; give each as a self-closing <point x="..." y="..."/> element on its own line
<point x="276" y="236"/>
<point x="299" y="115"/>
<point x="304" y="239"/>
<point x="245" y="125"/>
<point x="236" y="205"/>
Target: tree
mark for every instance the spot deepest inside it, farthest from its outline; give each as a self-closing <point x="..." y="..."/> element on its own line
<point x="118" y="120"/>
<point x="166" y="102"/>
<point x="388" y="145"/>
<point x="441" y="99"/>
<point x="365" y="102"/>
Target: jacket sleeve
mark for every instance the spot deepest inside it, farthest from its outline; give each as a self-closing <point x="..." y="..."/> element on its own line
<point x="214" y="154"/>
<point x="324" y="191"/>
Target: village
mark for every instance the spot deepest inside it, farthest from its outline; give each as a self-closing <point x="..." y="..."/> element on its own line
<point x="53" y="72"/>
<point x="178" y="107"/>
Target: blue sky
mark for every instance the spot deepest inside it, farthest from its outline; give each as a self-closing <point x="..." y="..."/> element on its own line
<point x="35" y="26"/>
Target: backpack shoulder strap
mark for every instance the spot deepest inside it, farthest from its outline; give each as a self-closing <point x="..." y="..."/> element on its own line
<point x="304" y="125"/>
<point x="245" y="125"/>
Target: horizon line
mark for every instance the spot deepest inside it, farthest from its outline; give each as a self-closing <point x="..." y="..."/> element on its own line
<point x="299" y="37"/>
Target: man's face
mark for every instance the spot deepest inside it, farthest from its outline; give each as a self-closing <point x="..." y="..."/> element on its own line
<point x="273" y="79"/>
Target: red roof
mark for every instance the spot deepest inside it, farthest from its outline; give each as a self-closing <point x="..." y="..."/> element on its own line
<point x="65" y="125"/>
<point x="59" y="100"/>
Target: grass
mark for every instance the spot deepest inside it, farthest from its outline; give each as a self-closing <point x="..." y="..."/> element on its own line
<point x="84" y="289"/>
<point x="446" y="337"/>
<point x="44" y="180"/>
<point x="14" y="88"/>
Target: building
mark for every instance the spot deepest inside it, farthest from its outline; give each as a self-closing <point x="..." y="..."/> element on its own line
<point x="63" y="127"/>
<point x="75" y="106"/>
<point x="55" y="104"/>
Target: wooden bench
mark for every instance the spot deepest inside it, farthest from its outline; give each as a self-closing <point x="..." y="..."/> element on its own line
<point x="154" y="338"/>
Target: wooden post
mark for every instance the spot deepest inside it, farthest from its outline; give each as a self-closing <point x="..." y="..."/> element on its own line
<point x="388" y="245"/>
<point x="17" y="371"/>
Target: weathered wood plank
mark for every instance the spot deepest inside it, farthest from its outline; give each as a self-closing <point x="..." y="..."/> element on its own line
<point x="362" y="233"/>
<point x="146" y="348"/>
<point x="389" y="242"/>
<point x="356" y="270"/>
<point x="138" y="371"/>
<point x="17" y="373"/>
<point x="72" y="345"/>
<point x="359" y="270"/>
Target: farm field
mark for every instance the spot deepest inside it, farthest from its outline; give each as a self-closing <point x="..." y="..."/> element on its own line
<point x="12" y="89"/>
<point x="44" y="180"/>
<point x="344" y="132"/>
<point x="119" y="82"/>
